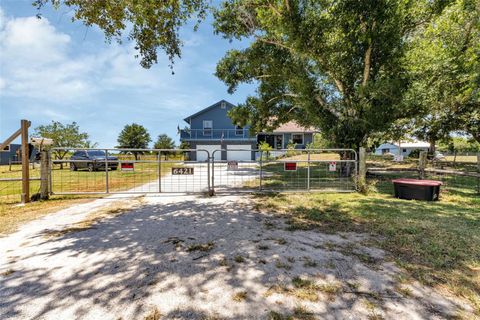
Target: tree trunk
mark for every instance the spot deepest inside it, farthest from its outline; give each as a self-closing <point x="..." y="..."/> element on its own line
<point x="432" y="146"/>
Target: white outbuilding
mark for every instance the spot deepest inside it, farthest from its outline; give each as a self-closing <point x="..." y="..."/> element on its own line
<point x="405" y="147"/>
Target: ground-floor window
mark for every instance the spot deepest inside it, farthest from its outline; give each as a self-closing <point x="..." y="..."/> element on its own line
<point x="297" y="138"/>
<point x="274" y="140"/>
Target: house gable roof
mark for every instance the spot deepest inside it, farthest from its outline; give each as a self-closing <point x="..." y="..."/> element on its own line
<point x="293" y="126"/>
<point x="187" y="119"/>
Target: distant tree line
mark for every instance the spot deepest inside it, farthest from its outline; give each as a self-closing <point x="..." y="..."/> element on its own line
<point x="69" y="136"/>
<point x="135" y="136"/>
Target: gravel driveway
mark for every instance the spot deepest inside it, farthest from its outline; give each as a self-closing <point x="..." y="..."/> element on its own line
<point x="191" y="257"/>
<point x="198" y="181"/>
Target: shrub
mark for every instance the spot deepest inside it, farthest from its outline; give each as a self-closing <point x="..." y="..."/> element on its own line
<point x="414" y="153"/>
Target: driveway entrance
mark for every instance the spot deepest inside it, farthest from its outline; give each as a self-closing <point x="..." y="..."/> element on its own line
<point x="85" y="171"/>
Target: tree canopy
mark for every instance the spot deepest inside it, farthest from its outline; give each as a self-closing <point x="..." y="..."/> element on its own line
<point x="337" y="65"/>
<point x="444" y="65"/>
<point x="164" y="142"/>
<point x="134" y="136"/>
<point x="360" y="71"/>
<point x="459" y="144"/>
<point x="150" y="24"/>
<point x="64" y="136"/>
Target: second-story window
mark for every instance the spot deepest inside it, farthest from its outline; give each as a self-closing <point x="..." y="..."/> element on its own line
<point x="239" y="130"/>
<point x="207" y="127"/>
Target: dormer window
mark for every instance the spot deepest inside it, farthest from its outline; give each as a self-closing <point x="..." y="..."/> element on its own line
<point x="207" y="127"/>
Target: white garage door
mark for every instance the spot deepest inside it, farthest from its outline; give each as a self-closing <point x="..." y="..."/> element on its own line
<point x="244" y="154"/>
<point x="202" y="155"/>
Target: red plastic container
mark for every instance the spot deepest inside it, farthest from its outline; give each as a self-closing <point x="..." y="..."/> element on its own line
<point x="410" y="189"/>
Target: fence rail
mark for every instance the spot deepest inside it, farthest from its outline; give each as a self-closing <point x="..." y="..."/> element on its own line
<point x="143" y="171"/>
<point x="286" y="170"/>
<point x="11" y="189"/>
<point x="216" y="134"/>
<point x="459" y="178"/>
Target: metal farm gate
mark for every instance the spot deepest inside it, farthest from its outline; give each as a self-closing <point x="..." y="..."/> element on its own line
<point x="285" y="170"/>
<point x="83" y="171"/>
<point x="110" y="171"/>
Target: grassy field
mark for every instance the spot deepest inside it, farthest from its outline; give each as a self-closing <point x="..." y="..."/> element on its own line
<point x="275" y="177"/>
<point x="297" y="155"/>
<point x="472" y="159"/>
<point x="64" y="180"/>
<point x="13" y="215"/>
<point x="437" y="243"/>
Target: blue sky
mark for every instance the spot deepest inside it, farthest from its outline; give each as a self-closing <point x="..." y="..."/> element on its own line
<point x="53" y="69"/>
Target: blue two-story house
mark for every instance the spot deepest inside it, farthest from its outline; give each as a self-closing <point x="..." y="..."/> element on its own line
<point x="212" y="129"/>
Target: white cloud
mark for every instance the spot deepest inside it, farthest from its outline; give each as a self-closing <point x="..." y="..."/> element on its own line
<point x="2" y="18"/>
<point x="38" y="61"/>
<point x="49" y="70"/>
<point x="35" y="61"/>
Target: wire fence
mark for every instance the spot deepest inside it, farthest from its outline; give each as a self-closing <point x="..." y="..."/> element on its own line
<point x="286" y="170"/>
<point x="456" y="177"/>
<point x="11" y="182"/>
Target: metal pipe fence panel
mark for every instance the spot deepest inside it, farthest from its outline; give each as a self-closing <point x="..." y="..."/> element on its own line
<point x="286" y="170"/>
<point x="234" y="175"/>
<point x="109" y="171"/>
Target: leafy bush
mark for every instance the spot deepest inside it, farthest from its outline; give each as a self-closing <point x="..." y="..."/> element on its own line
<point x="415" y="153"/>
<point x="291" y="151"/>
<point x="265" y="148"/>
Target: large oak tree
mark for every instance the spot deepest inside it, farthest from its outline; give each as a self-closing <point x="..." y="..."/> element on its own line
<point x="337" y="65"/>
<point x="64" y="136"/>
<point x="134" y="136"/>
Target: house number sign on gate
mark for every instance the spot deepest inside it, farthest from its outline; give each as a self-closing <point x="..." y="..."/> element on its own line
<point x="182" y="171"/>
<point x="332" y="166"/>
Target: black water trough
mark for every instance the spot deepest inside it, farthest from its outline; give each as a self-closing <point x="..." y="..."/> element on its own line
<point x="410" y="189"/>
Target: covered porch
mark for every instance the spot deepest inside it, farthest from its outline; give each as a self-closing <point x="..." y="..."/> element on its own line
<point x="274" y="140"/>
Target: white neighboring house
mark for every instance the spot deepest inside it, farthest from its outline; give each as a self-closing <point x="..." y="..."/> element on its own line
<point x="405" y="147"/>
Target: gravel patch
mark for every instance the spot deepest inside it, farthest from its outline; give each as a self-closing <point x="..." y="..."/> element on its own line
<point x="193" y="257"/>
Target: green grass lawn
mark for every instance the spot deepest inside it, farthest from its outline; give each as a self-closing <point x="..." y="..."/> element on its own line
<point x="437" y="243"/>
<point x="65" y="180"/>
<point x="472" y="158"/>
<point x="274" y="177"/>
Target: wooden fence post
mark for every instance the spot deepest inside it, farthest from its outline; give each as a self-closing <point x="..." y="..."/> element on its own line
<point x="422" y="163"/>
<point x="478" y="171"/>
<point x="25" y="159"/>
<point x="362" y="171"/>
<point x="44" y="175"/>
